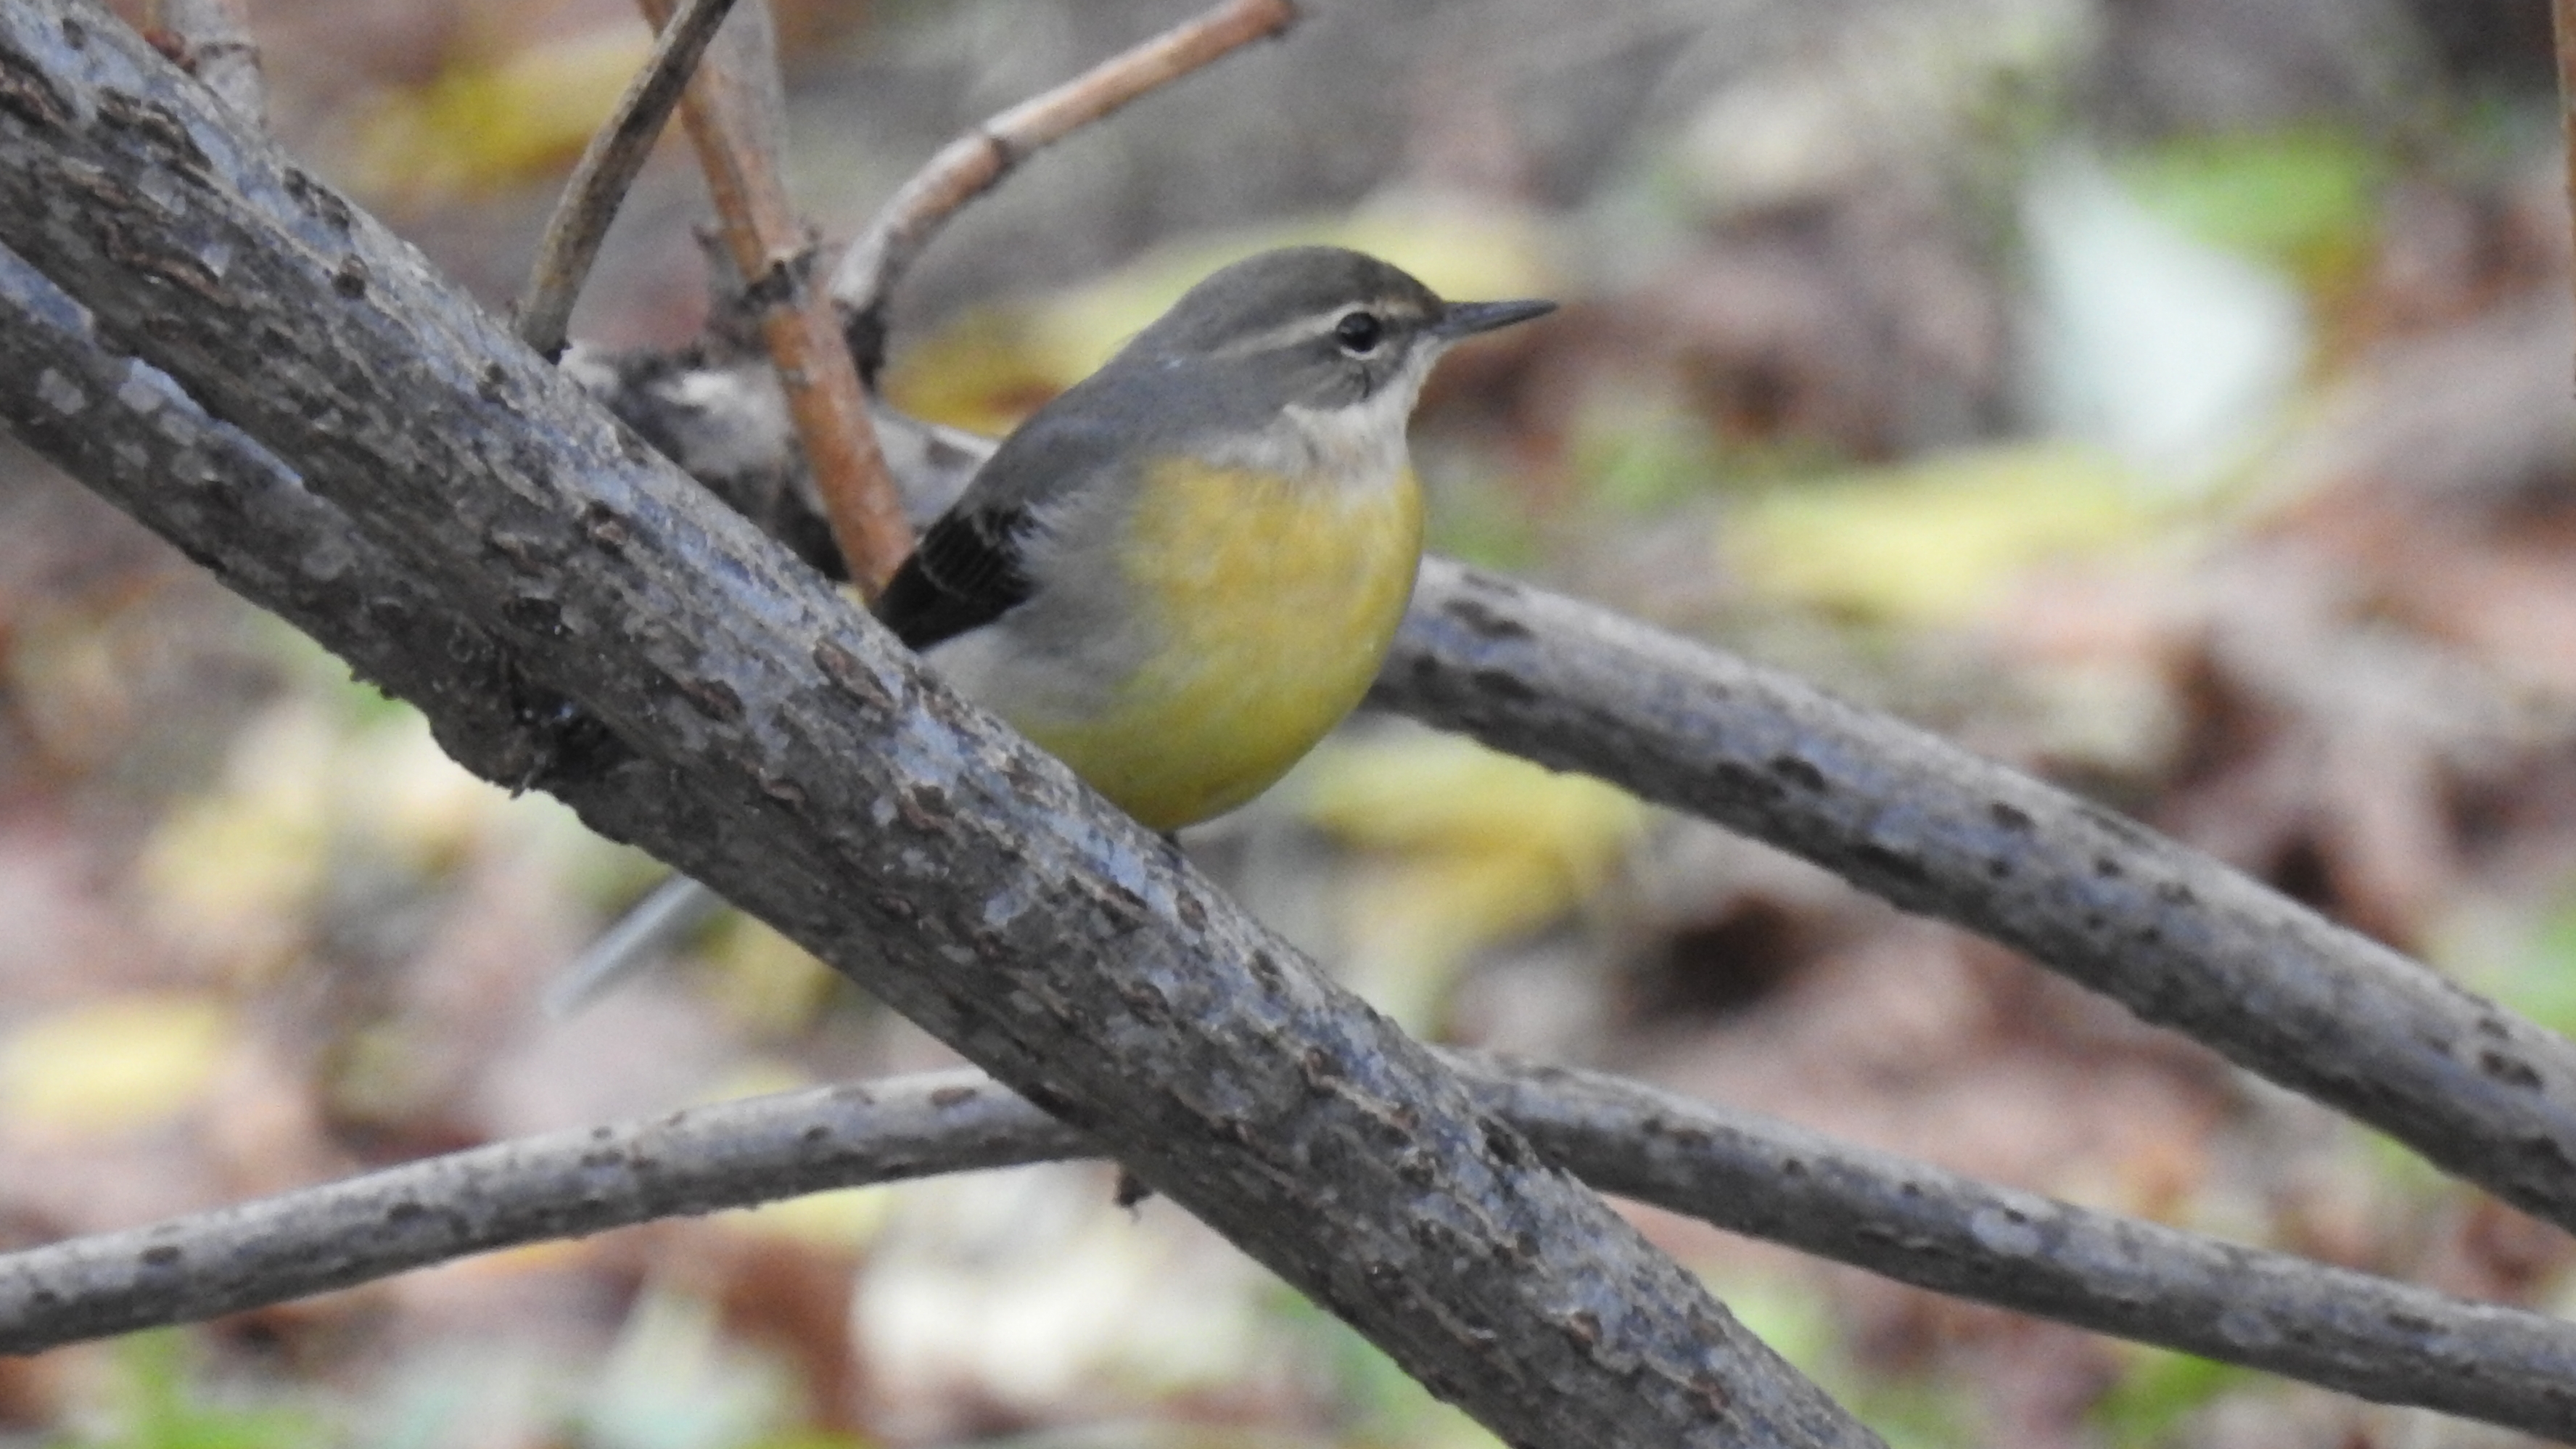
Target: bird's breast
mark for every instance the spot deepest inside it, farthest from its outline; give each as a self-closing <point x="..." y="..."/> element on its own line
<point x="1269" y="604"/>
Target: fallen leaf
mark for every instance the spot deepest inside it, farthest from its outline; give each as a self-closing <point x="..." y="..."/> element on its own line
<point x="113" y="1065"/>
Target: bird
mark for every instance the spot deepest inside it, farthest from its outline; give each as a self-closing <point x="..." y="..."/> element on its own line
<point x="1181" y="573"/>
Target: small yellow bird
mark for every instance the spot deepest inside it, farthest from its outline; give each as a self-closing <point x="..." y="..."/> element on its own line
<point x="1181" y="573"/>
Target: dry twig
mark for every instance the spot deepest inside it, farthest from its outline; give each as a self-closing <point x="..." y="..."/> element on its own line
<point x="2563" y="22"/>
<point x="598" y="184"/>
<point x="970" y="165"/>
<point x="730" y="111"/>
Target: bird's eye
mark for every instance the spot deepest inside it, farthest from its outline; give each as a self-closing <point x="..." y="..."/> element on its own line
<point x="1359" y="333"/>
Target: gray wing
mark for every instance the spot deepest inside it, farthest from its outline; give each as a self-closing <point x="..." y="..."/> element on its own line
<point x="972" y="565"/>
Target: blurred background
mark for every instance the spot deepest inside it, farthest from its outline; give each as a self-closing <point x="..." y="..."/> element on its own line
<point x="2168" y="396"/>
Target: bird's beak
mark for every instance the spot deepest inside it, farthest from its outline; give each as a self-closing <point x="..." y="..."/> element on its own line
<point x="1466" y="319"/>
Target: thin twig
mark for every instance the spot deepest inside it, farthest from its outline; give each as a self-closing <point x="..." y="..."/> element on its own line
<point x="2381" y="1340"/>
<point x="211" y="40"/>
<point x="559" y="1185"/>
<point x="970" y="165"/>
<point x="729" y="111"/>
<point x="607" y="168"/>
<point x="2563" y="22"/>
<point x="1906" y="1220"/>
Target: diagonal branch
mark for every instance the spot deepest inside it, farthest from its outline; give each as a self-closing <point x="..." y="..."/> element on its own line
<point x="977" y="161"/>
<point x="729" y="710"/>
<point x="2178" y="938"/>
<point x="2380" y="1340"/>
<point x="608" y="166"/>
<point x="2364" y="1335"/>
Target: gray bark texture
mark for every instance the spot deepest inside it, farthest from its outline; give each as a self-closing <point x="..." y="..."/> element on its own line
<point x="2384" y="1341"/>
<point x="686" y="685"/>
<point x="2177" y="937"/>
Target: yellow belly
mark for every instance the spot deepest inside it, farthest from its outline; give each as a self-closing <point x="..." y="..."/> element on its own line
<point x="1276" y="603"/>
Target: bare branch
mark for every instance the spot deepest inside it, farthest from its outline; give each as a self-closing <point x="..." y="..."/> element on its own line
<point x="973" y="163"/>
<point x="211" y="40"/>
<point x="731" y="111"/>
<point x="734" y="714"/>
<point x="2363" y="1335"/>
<point x="598" y="184"/>
<point x="2177" y="937"/>
<point x="2562" y="14"/>
<point x="2380" y="1340"/>
<point x="561" y="1185"/>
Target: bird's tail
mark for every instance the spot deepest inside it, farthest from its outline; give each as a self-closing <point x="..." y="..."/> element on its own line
<point x="642" y="936"/>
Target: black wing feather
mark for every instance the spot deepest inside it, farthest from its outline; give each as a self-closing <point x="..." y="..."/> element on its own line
<point x="972" y="565"/>
<point x="965" y="574"/>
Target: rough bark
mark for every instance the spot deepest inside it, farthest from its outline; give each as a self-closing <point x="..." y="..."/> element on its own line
<point x="2177" y="937"/>
<point x="726" y="709"/>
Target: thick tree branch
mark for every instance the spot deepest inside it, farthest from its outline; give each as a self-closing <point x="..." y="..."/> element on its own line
<point x="736" y="716"/>
<point x="2381" y="1340"/>
<point x="608" y="166"/>
<point x="977" y="161"/>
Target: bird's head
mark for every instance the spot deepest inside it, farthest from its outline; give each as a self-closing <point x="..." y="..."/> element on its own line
<point x="1320" y="329"/>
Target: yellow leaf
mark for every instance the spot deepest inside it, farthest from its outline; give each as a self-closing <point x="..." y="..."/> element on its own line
<point x="494" y="121"/>
<point x="1437" y="792"/>
<point x="1938" y="542"/>
<point x="112" y="1065"/>
<point x="1475" y="848"/>
<point x="396" y="786"/>
<point x="553" y="1257"/>
<point x="841" y="1221"/>
<point x="234" y="872"/>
